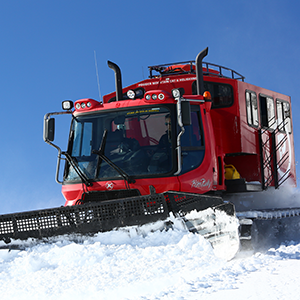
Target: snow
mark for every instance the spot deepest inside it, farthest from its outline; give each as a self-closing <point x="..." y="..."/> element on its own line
<point x="149" y="263"/>
<point x="142" y="264"/>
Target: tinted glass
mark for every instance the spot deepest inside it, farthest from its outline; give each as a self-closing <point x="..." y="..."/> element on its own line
<point x="138" y="141"/>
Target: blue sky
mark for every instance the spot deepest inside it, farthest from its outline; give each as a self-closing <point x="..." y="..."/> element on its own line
<point x="47" y="55"/>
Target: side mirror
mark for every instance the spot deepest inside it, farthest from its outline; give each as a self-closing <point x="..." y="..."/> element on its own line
<point x="49" y="129"/>
<point x="186" y="113"/>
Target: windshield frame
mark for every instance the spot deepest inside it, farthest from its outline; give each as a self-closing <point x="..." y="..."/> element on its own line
<point x="101" y="113"/>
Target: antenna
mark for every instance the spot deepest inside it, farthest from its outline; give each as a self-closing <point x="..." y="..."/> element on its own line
<point x="97" y="73"/>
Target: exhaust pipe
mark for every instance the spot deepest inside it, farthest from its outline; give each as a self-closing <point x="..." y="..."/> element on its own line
<point x="199" y="71"/>
<point x="118" y="79"/>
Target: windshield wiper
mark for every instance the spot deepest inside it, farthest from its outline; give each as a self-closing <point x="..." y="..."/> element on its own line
<point x="102" y="156"/>
<point x="77" y="169"/>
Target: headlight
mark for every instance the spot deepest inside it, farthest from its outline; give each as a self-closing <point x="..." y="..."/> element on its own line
<point x="67" y="105"/>
<point x="131" y="94"/>
<point x="176" y="93"/>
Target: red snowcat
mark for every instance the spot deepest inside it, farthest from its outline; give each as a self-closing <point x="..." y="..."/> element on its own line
<point x="181" y="143"/>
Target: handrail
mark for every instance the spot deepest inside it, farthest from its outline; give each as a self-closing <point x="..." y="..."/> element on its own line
<point x="209" y="69"/>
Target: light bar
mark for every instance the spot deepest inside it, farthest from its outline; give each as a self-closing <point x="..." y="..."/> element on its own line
<point x="87" y="104"/>
<point x="156" y="95"/>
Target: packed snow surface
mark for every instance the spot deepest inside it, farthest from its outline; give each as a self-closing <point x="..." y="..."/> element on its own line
<point x="141" y="264"/>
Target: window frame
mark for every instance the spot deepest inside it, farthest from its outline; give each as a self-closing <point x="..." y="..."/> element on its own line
<point x="278" y="100"/>
<point x="252" y="109"/>
<point x="200" y="149"/>
<point x="266" y="119"/>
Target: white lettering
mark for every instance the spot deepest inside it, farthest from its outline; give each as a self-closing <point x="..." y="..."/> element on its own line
<point x="198" y="184"/>
<point x="167" y="81"/>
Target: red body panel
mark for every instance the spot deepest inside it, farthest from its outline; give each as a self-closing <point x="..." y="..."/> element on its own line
<point x="73" y="192"/>
<point x="204" y="178"/>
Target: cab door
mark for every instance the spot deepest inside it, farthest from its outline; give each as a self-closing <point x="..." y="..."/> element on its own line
<point x="276" y="142"/>
<point x="267" y="141"/>
<point x="197" y="159"/>
<point x="284" y="143"/>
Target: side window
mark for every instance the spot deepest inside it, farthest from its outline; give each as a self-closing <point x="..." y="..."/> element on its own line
<point x="221" y="94"/>
<point x="82" y="140"/>
<point x="267" y="112"/>
<point x="283" y="116"/>
<point x="251" y="107"/>
<point x="87" y="139"/>
<point x="192" y="136"/>
<point x="192" y="142"/>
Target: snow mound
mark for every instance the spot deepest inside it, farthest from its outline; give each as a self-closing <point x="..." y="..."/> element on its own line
<point x="173" y="264"/>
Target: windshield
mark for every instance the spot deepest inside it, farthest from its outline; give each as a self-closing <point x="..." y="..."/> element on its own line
<point x="138" y="141"/>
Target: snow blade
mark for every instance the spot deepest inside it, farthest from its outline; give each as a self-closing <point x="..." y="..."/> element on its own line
<point x="182" y="203"/>
<point x="83" y="219"/>
<point x="213" y="218"/>
<point x="210" y="217"/>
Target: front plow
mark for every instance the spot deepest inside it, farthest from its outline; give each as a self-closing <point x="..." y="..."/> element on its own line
<point x="87" y="218"/>
<point x="200" y="214"/>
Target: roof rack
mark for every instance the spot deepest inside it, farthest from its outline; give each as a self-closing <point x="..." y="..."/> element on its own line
<point x="188" y="67"/>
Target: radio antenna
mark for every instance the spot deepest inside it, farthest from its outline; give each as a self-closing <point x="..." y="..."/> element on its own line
<point x="97" y="73"/>
<point x="143" y="72"/>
